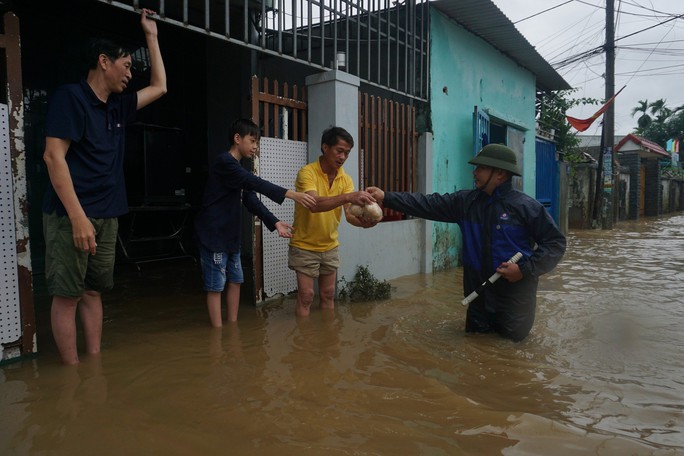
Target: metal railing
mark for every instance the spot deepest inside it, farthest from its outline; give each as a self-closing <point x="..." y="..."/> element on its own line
<point x="383" y="42"/>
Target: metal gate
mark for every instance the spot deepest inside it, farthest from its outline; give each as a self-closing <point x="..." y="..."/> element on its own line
<point x="16" y="284"/>
<point x="548" y="189"/>
<point x="10" y="315"/>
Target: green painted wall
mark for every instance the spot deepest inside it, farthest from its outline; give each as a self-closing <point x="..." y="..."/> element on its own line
<point x="466" y="71"/>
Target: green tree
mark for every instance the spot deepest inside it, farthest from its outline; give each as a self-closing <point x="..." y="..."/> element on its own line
<point x="551" y="109"/>
<point x="644" y="120"/>
<point x="663" y="123"/>
<point x="661" y="112"/>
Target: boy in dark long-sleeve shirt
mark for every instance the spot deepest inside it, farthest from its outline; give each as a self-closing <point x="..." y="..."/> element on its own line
<point x="218" y="222"/>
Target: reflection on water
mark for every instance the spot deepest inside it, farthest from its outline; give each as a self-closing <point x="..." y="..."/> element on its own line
<point x="601" y="372"/>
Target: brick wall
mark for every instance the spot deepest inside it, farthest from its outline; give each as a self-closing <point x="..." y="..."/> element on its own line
<point x="581" y="183"/>
<point x="582" y="180"/>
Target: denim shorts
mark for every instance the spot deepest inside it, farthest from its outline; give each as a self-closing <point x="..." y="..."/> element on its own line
<point x="219" y="266"/>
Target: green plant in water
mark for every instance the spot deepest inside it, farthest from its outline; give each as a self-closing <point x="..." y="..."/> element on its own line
<point x="364" y="287"/>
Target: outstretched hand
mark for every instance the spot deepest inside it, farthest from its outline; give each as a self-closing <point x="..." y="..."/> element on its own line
<point x="377" y="194"/>
<point x="361" y="198"/>
<point x="285" y="230"/>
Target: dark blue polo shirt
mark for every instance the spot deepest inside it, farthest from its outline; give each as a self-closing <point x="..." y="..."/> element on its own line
<point x="95" y="157"/>
<point x="229" y="187"/>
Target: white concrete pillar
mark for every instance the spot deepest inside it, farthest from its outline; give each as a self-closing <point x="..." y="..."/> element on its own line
<point x="333" y="100"/>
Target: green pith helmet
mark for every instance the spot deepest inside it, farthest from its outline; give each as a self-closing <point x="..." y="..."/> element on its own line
<point x="497" y="156"/>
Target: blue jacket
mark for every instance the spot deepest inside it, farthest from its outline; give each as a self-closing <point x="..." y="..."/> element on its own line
<point x="229" y="187"/>
<point x="494" y="228"/>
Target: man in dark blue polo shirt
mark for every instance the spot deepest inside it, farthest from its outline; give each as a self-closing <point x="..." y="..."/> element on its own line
<point x="84" y="148"/>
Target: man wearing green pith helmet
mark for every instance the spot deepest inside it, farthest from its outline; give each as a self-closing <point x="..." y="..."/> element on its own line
<point x="496" y="221"/>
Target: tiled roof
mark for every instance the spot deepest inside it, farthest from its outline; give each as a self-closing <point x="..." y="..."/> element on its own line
<point x="644" y="143"/>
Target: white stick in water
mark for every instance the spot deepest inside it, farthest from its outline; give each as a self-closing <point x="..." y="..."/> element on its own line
<point x="471" y="297"/>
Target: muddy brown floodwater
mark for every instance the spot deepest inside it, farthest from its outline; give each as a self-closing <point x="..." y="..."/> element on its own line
<point x="602" y="372"/>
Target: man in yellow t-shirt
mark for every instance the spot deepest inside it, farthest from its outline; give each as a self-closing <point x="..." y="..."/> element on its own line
<point x="313" y="252"/>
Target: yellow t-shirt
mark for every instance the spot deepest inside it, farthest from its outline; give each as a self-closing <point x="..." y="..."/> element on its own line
<point x="317" y="231"/>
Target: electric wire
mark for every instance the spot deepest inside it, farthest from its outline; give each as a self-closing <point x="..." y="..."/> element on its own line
<point x="542" y="12"/>
<point x="558" y="48"/>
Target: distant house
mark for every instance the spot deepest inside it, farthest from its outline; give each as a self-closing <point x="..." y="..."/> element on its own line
<point x="642" y="157"/>
<point x="645" y="148"/>
<point x="642" y="186"/>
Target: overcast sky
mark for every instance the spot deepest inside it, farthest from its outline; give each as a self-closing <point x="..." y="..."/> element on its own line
<point x="650" y="63"/>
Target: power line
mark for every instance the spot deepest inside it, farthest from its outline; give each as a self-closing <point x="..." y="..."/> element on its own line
<point x="579" y="57"/>
<point x="580" y="30"/>
<point x="600" y="49"/>
<point x="649" y="55"/>
<point x="677" y="52"/>
<point x="648" y="9"/>
<point x="593" y="51"/>
<point x="575" y="47"/>
<point x="649" y="75"/>
<point x="652" y="26"/>
<point x="639" y="70"/>
<point x="542" y="12"/>
<point x="663" y="13"/>
<point x="662" y="42"/>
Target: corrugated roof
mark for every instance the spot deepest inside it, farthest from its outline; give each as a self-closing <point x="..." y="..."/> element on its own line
<point x="484" y="19"/>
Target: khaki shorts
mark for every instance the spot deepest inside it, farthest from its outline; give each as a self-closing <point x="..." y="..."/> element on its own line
<point x="313" y="264"/>
<point x="70" y="271"/>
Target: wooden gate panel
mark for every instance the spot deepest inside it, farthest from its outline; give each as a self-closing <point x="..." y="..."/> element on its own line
<point x="388" y="145"/>
<point x="269" y="108"/>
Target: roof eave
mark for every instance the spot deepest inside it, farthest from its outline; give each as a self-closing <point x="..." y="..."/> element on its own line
<point x="484" y="19"/>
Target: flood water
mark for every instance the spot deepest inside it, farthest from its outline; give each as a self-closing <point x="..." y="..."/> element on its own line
<point x="601" y="373"/>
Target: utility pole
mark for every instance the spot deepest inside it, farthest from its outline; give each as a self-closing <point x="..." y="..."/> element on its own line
<point x="599" y="199"/>
<point x="611" y="166"/>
